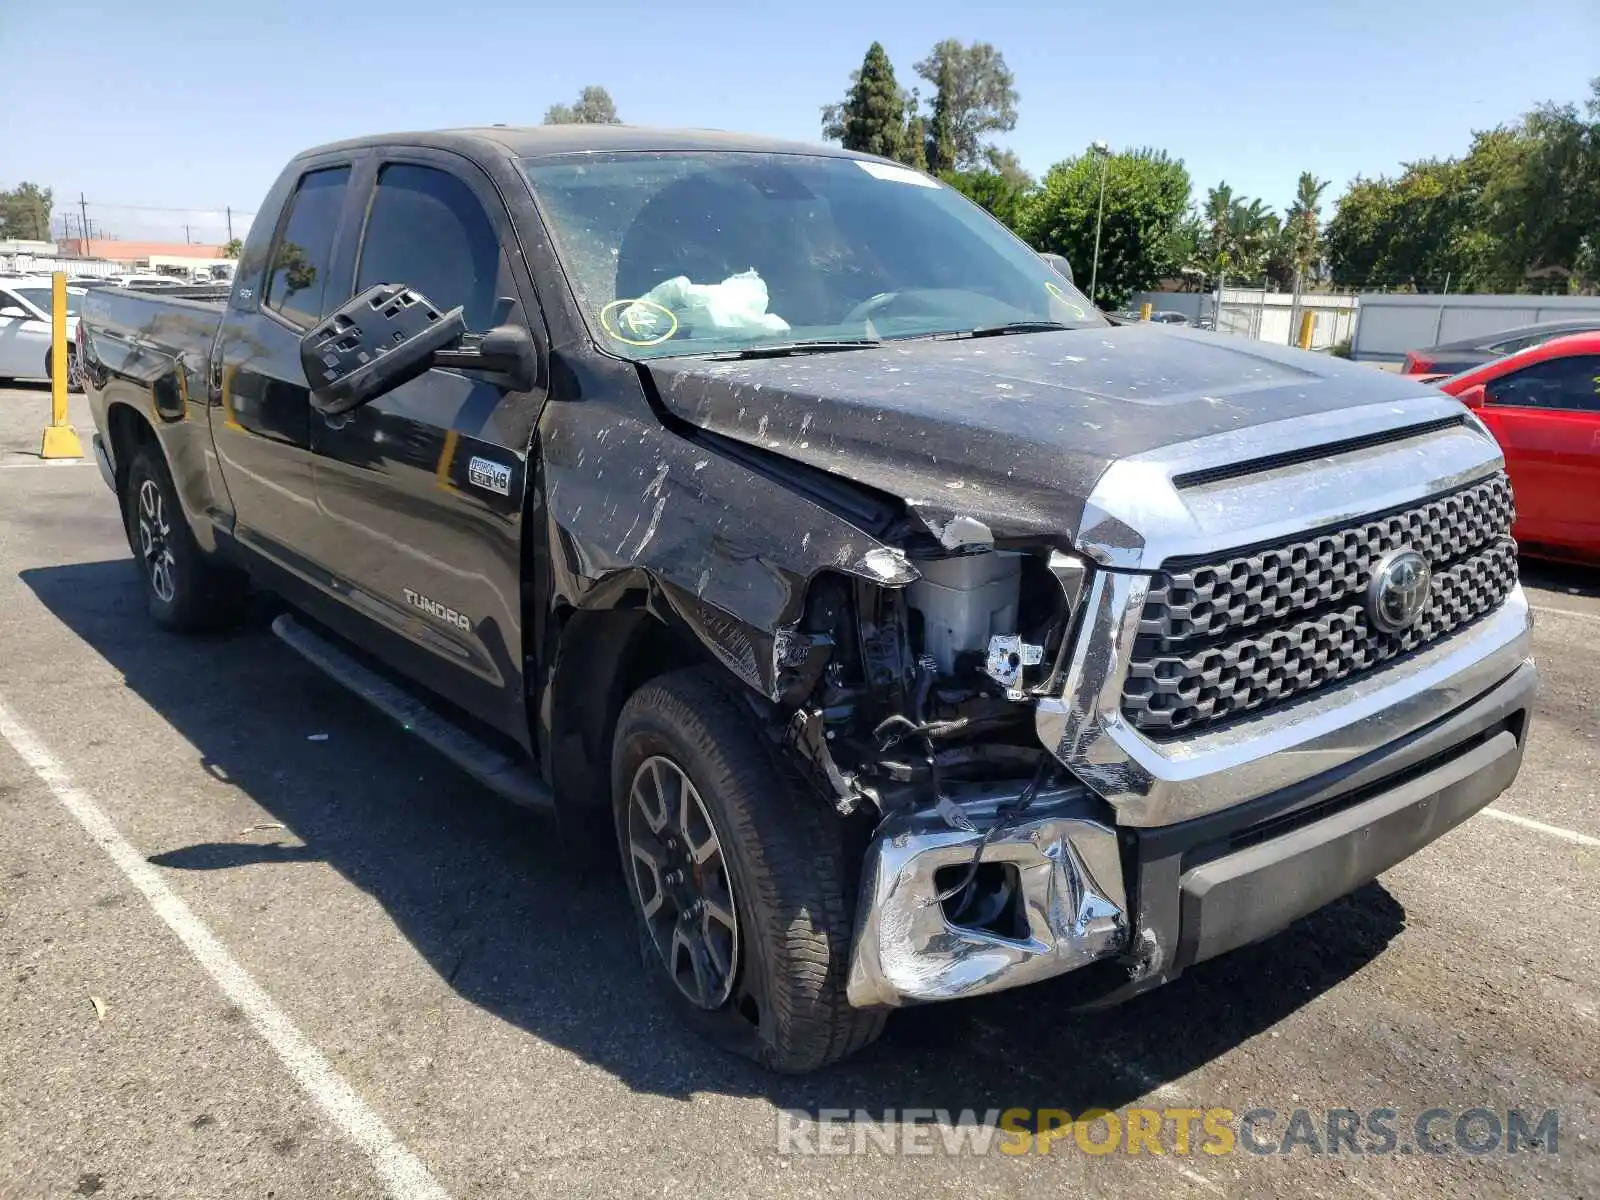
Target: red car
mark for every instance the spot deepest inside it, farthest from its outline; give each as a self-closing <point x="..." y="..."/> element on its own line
<point x="1543" y="406"/>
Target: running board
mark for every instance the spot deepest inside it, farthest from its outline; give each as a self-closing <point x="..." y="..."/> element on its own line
<point x="496" y="770"/>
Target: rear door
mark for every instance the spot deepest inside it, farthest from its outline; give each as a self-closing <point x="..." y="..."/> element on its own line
<point x="261" y="416"/>
<point x="1547" y="419"/>
<point x="422" y="488"/>
<point x="24" y="338"/>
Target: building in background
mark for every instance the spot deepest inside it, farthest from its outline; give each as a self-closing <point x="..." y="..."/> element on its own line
<point x="117" y="250"/>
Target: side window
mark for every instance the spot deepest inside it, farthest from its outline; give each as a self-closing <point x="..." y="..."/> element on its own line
<point x="1569" y="384"/>
<point x="427" y="230"/>
<point x="298" y="269"/>
<point x="1512" y="345"/>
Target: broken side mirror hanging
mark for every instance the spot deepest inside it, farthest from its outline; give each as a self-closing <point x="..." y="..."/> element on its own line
<point x="378" y="340"/>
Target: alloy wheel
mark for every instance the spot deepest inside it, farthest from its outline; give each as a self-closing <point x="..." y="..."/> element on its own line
<point x="681" y="880"/>
<point x="155" y="541"/>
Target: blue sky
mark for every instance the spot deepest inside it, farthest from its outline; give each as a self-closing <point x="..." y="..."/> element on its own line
<point x="196" y="105"/>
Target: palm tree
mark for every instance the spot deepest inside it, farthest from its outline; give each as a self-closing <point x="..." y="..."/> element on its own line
<point x="1250" y="226"/>
<point x="1304" y="236"/>
<point x="1304" y="224"/>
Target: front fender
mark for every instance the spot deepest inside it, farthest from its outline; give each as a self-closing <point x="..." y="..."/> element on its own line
<point x="634" y="509"/>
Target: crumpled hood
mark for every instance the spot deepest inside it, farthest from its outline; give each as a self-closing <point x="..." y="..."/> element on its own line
<point x="1013" y="431"/>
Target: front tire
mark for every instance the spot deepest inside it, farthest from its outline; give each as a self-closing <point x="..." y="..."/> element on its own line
<point x="739" y="879"/>
<point x="184" y="590"/>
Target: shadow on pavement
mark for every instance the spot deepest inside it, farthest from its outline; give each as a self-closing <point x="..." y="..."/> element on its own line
<point x="1570" y="578"/>
<point x="482" y="892"/>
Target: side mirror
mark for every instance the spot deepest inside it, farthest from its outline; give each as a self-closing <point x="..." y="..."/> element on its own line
<point x="1474" y="396"/>
<point x="1061" y="265"/>
<point x="15" y="313"/>
<point x="384" y="337"/>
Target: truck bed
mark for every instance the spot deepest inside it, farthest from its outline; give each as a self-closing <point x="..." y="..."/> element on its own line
<point x="155" y="339"/>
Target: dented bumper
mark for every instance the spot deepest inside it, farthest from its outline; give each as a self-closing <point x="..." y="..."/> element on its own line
<point x="1055" y="900"/>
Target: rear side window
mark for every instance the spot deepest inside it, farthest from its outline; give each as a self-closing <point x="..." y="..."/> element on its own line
<point x="426" y="229"/>
<point x="298" y="271"/>
<point x="1568" y="384"/>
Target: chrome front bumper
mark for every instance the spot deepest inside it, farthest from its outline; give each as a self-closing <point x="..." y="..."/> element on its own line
<point x="1069" y="889"/>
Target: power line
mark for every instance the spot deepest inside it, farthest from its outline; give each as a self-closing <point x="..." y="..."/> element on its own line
<point x="191" y="208"/>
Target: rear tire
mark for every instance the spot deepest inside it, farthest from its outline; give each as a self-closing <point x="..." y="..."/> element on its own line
<point x="185" y="591"/>
<point x="763" y="878"/>
<point x="74" y="371"/>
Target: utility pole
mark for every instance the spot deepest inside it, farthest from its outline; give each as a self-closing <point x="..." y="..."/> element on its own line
<point x="186" y="235"/>
<point x="230" y="224"/>
<point x="83" y="209"/>
<point x="1104" y="151"/>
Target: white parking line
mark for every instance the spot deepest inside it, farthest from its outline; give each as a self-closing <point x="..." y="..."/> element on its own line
<point x="1564" y="612"/>
<point x="1555" y="831"/>
<point x="402" y="1174"/>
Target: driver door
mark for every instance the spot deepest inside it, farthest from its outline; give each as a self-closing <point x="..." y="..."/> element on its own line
<point x="420" y="491"/>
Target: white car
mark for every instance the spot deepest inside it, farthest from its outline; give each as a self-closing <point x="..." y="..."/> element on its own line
<point x="25" y="330"/>
<point x="147" y="281"/>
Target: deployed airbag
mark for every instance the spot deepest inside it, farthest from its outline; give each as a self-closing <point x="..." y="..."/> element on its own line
<point x="736" y="305"/>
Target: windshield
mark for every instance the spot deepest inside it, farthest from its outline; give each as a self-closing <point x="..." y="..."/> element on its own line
<point x="695" y="253"/>
<point x="39" y="297"/>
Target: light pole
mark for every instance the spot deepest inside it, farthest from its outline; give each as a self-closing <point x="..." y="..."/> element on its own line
<point x="1104" y="153"/>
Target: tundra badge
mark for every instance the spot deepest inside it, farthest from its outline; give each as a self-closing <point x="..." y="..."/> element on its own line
<point x="434" y="609"/>
<point x="488" y="474"/>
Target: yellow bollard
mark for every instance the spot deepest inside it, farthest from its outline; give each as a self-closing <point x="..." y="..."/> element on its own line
<point x="1308" y="322"/>
<point x="1145" y="310"/>
<point x="60" y="439"/>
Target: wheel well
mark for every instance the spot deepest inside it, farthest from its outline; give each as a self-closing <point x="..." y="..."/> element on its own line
<point x="604" y="658"/>
<point x="127" y="430"/>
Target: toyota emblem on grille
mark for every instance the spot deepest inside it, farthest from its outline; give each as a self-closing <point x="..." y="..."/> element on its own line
<point x="1398" y="593"/>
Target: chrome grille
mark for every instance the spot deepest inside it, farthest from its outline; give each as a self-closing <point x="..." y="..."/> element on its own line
<point x="1220" y="639"/>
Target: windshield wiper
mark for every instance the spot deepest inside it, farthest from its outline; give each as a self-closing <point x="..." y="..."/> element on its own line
<point x="1016" y="327"/>
<point x="820" y="346"/>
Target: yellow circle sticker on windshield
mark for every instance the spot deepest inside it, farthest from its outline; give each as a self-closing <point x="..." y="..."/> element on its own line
<point x="1062" y="296"/>
<point x="641" y="320"/>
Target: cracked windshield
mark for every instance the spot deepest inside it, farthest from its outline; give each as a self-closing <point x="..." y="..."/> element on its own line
<point x="675" y="254"/>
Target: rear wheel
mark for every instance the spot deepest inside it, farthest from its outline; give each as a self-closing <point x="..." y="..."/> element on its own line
<point x="74" y="368"/>
<point x="184" y="590"/>
<point x="738" y="878"/>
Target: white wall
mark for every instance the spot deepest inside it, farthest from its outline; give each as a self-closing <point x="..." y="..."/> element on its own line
<point x="1262" y="315"/>
<point x="1391" y="325"/>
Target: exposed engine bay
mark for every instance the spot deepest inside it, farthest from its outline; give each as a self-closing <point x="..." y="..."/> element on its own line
<point x="926" y="696"/>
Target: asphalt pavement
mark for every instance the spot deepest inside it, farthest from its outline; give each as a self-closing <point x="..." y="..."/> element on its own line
<point x="255" y="941"/>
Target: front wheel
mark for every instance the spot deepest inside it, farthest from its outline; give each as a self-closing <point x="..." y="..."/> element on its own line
<point x="184" y="590"/>
<point x="739" y="879"/>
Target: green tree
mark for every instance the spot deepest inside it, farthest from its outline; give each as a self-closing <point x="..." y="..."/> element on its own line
<point x="233" y="249"/>
<point x="1146" y="206"/>
<point x="1414" y="232"/>
<point x="1519" y="213"/>
<point x="1536" y="185"/>
<point x="974" y="95"/>
<point x="867" y="119"/>
<point x="1237" y="236"/>
<point x="25" y="212"/>
<point x="1302" y="227"/>
<point x="594" y="107"/>
<point x="914" y="145"/>
<point x="873" y="118"/>
<point x="1003" y="195"/>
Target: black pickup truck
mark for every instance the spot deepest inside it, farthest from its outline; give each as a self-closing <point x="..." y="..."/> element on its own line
<point x="772" y="514"/>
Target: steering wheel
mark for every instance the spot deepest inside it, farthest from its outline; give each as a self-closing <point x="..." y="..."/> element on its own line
<point x="869" y="306"/>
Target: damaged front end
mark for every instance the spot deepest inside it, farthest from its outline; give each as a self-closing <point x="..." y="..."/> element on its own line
<point x="988" y="866"/>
